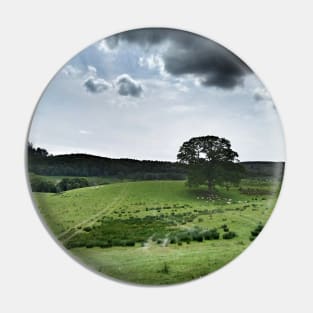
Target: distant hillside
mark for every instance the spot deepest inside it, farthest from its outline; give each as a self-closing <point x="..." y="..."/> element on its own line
<point x="41" y="163"/>
<point x="264" y="168"/>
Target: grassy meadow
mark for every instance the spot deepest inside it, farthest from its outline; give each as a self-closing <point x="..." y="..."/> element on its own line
<point x="158" y="232"/>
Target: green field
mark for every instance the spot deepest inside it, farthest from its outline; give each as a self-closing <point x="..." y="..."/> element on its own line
<point x="158" y="232"/>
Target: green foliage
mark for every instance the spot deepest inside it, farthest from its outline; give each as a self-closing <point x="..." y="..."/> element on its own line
<point x="39" y="184"/>
<point x="210" y="161"/>
<point x="194" y="234"/>
<point x="71" y="183"/>
<point x="256" y="231"/>
<point x="42" y="163"/>
<point x="229" y="235"/>
<point x="203" y="149"/>
<point x="130" y="243"/>
<point x="34" y="153"/>
<point x="212" y="234"/>
<point x="225" y="228"/>
<point x="44" y="184"/>
<point x="121" y="232"/>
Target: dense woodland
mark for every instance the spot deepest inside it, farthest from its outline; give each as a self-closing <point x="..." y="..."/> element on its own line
<point x="40" y="162"/>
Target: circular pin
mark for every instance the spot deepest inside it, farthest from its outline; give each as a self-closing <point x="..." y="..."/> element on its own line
<point x="155" y="156"/>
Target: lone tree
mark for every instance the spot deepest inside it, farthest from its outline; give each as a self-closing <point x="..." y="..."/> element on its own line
<point x="210" y="161"/>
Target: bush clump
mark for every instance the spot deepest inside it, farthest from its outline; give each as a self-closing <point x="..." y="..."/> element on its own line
<point x="198" y="237"/>
<point x="225" y="228"/>
<point x="195" y="234"/>
<point x="71" y="183"/>
<point x="256" y="231"/>
<point x="229" y="235"/>
<point x="212" y="234"/>
<point x="130" y="243"/>
<point x="40" y="184"/>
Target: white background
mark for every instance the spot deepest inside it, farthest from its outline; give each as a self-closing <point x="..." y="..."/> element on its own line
<point x="273" y="37"/>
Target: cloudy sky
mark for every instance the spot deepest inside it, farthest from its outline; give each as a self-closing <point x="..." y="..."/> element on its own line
<point x="142" y="93"/>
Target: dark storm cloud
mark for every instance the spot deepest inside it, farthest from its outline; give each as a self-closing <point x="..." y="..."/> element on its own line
<point x="212" y="64"/>
<point x="144" y="37"/>
<point x="96" y="85"/>
<point x="126" y="86"/>
<point x="191" y="54"/>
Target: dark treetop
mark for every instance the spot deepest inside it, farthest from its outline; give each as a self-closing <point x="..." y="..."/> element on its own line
<point x="211" y="161"/>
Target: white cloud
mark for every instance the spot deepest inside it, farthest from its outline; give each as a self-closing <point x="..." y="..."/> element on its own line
<point x="72" y="71"/>
<point x="180" y="108"/>
<point x="84" y="132"/>
<point x="154" y="62"/>
<point x="103" y="47"/>
<point x="181" y="87"/>
<point x="127" y="86"/>
<point x="151" y="62"/>
<point x="92" y="70"/>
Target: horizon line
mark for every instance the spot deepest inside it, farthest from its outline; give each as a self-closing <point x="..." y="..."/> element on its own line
<point x="137" y="159"/>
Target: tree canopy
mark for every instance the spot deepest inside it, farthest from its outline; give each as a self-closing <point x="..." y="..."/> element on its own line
<point x="41" y="162"/>
<point x="210" y="160"/>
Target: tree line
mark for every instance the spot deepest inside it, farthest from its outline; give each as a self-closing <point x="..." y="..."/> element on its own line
<point x="42" y="163"/>
<point x="207" y="160"/>
<point x="42" y="184"/>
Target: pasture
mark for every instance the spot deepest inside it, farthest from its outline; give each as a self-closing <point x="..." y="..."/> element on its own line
<point x="158" y="232"/>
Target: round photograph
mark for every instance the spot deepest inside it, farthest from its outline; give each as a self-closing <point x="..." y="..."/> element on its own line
<point x="155" y="156"/>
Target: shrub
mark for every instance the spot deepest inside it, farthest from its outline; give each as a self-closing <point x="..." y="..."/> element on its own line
<point x="40" y="184"/>
<point x="130" y="243"/>
<point x="212" y="234"/>
<point x="198" y="237"/>
<point x="72" y="183"/>
<point x="105" y="244"/>
<point x="256" y="231"/>
<point x="87" y="228"/>
<point x="173" y="240"/>
<point x="229" y="235"/>
<point x="185" y="236"/>
<point x="74" y="244"/>
<point x="225" y="228"/>
<point x="117" y="242"/>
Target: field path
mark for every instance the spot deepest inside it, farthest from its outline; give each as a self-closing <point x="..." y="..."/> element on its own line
<point x="73" y="231"/>
<point x="148" y="243"/>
